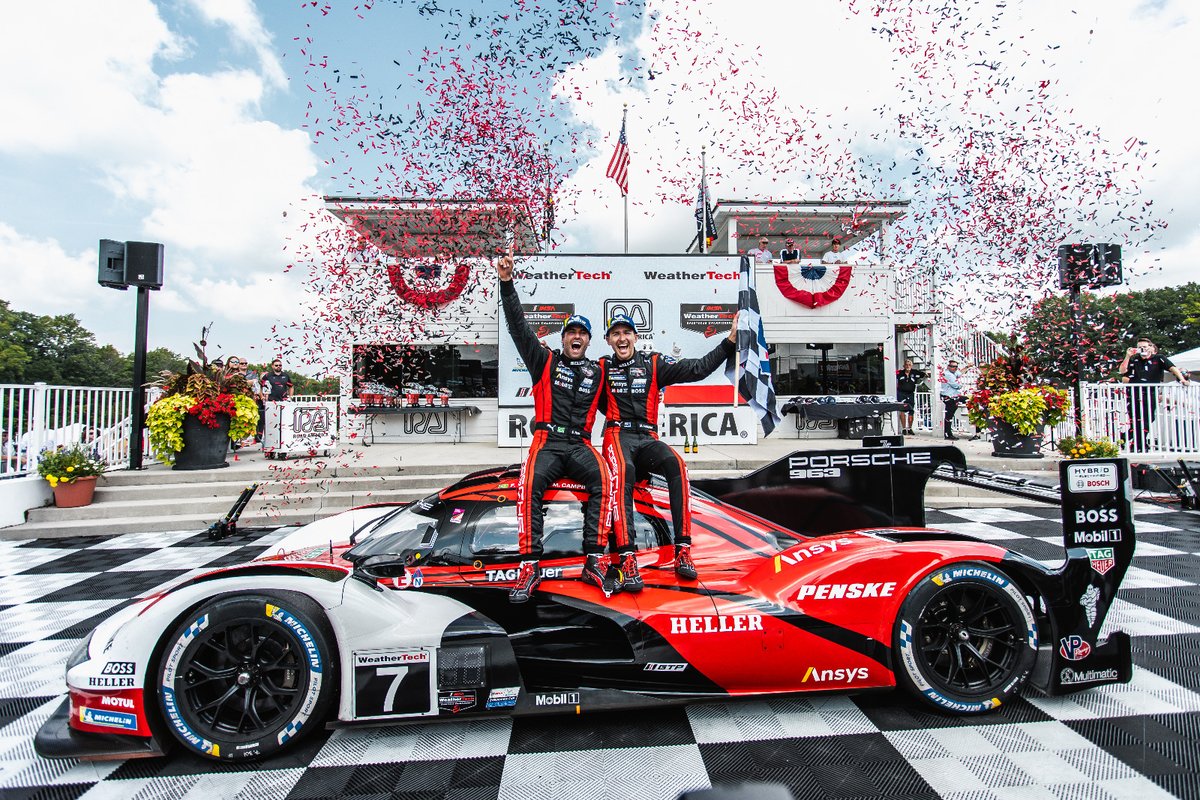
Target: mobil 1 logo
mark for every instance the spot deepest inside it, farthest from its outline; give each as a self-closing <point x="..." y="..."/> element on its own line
<point x="1096" y="503"/>
<point x="392" y="683"/>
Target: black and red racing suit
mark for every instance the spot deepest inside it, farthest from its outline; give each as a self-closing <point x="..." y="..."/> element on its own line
<point x="566" y="393"/>
<point x="631" y="444"/>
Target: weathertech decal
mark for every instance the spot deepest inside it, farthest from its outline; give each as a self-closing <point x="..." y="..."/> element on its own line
<point x="732" y="623"/>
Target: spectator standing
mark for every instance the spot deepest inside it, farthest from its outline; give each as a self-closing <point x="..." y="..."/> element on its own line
<point x="789" y="254"/>
<point x="907" y="380"/>
<point x="762" y="254"/>
<point x="951" y="393"/>
<point x="277" y="383"/>
<point x="834" y="254"/>
<point x="1143" y="365"/>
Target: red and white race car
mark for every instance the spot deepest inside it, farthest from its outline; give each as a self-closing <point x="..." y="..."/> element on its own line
<point x="399" y="613"/>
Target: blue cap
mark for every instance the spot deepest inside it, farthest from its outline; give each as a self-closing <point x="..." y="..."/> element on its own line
<point x="577" y="321"/>
<point x="620" y="319"/>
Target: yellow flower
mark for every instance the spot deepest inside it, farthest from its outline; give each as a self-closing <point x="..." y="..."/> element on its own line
<point x="70" y="469"/>
<point x="52" y="480"/>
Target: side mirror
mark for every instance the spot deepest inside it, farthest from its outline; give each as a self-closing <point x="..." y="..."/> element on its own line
<point x="378" y="567"/>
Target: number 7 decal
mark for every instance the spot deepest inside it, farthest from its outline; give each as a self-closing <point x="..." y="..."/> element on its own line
<point x="389" y="699"/>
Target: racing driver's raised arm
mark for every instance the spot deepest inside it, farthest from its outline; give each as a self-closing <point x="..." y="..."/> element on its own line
<point x="687" y="370"/>
<point x="532" y="352"/>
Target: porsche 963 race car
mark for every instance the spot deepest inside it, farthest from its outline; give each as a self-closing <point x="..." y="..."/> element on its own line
<point x="816" y="575"/>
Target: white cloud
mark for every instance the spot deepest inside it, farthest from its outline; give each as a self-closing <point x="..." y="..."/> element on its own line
<point x="42" y="278"/>
<point x="245" y="24"/>
<point x="186" y="153"/>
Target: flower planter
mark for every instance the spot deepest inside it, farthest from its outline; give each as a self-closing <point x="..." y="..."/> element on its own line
<point x="75" y="494"/>
<point x="1008" y="442"/>
<point x="203" y="447"/>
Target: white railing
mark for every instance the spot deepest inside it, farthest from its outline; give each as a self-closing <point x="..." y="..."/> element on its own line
<point x="1144" y="419"/>
<point x="914" y="293"/>
<point x="39" y="417"/>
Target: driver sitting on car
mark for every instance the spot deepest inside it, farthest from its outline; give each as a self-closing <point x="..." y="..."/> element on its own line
<point x="633" y="385"/>
<point x="566" y="389"/>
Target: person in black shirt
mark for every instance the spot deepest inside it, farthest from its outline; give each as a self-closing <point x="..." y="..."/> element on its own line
<point x="632" y="390"/>
<point x="567" y="388"/>
<point x="789" y="254"/>
<point x="1143" y="365"/>
<point x="907" y="380"/>
<point x="278" y="381"/>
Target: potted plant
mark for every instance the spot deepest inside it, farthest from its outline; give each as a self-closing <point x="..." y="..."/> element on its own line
<point x="200" y="411"/>
<point x="1083" y="447"/>
<point x="71" y="472"/>
<point x="1013" y="407"/>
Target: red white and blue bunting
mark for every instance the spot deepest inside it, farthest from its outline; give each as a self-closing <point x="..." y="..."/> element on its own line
<point x="817" y="285"/>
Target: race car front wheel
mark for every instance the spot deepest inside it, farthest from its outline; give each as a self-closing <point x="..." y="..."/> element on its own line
<point x="965" y="639"/>
<point x="245" y="676"/>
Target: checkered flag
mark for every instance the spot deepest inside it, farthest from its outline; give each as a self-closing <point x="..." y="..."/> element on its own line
<point x="752" y="369"/>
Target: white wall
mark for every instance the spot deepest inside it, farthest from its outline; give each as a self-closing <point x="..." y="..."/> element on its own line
<point x="18" y="495"/>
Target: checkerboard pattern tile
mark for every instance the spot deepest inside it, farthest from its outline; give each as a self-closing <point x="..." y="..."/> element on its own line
<point x="1133" y="741"/>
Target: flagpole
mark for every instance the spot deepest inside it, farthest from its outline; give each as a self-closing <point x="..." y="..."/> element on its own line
<point x="625" y="195"/>
<point x="703" y="203"/>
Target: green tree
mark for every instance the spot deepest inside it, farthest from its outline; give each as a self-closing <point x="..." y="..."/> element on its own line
<point x="1168" y="316"/>
<point x="1047" y="335"/>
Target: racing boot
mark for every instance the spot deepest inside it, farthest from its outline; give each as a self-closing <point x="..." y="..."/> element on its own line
<point x="684" y="566"/>
<point x="528" y="578"/>
<point x="604" y="580"/>
<point x="631" y="577"/>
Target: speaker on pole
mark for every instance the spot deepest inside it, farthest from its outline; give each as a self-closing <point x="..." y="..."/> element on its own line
<point x="144" y="264"/>
<point x="112" y="264"/>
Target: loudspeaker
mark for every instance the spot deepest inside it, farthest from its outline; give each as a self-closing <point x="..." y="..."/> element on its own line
<point x="144" y="264"/>
<point x="112" y="264"/>
<point x="1089" y="265"/>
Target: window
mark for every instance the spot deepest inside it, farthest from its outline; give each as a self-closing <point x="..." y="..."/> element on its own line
<point x="827" y="369"/>
<point x="495" y="534"/>
<point x="465" y="370"/>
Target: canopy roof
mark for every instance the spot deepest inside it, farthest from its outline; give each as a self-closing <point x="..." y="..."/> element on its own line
<point x="415" y="227"/>
<point x="813" y="224"/>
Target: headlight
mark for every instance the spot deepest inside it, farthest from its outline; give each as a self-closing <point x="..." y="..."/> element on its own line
<point x="80" y="653"/>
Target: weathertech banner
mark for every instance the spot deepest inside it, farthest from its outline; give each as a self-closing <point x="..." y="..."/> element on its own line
<point x="680" y="304"/>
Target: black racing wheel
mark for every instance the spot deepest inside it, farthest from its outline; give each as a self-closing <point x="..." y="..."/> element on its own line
<point x="246" y="676"/>
<point x="965" y="639"/>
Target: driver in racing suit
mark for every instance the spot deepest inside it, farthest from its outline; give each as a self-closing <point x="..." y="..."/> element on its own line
<point x="633" y="383"/>
<point x="566" y="389"/>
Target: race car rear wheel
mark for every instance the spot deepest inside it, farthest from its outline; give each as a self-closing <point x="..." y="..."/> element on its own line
<point x="245" y="676"/>
<point x="966" y="638"/>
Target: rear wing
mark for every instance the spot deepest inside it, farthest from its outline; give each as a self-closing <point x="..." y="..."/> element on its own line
<point x="816" y="492"/>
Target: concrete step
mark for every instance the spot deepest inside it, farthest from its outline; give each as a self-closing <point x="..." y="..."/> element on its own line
<point x="215" y="507"/>
<point x="272" y="488"/>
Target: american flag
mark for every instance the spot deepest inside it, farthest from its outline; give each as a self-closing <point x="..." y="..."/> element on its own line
<point x="753" y="361"/>
<point x="618" y="165"/>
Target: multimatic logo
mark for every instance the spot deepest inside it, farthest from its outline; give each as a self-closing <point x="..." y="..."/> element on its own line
<point x="1070" y="676"/>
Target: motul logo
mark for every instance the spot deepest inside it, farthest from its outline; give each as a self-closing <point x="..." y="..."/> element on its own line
<point x="732" y="623"/>
<point x="835" y="675"/>
<point x="847" y="591"/>
<point x="117" y="702"/>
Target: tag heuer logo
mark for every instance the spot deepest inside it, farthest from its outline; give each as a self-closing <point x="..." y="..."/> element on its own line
<point x="1101" y="558"/>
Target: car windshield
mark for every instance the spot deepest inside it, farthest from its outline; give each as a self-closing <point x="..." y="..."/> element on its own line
<point x="404" y="530"/>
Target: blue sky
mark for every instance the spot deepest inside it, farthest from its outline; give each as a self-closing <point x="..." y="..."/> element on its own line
<point x="188" y="122"/>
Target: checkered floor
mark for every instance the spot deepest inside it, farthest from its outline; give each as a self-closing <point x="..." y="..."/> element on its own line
<point x="1135" y="741"/>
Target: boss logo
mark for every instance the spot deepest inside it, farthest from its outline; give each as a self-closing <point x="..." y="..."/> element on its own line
<point x="119" y="668"/>
<point x="1095" y="515"/>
